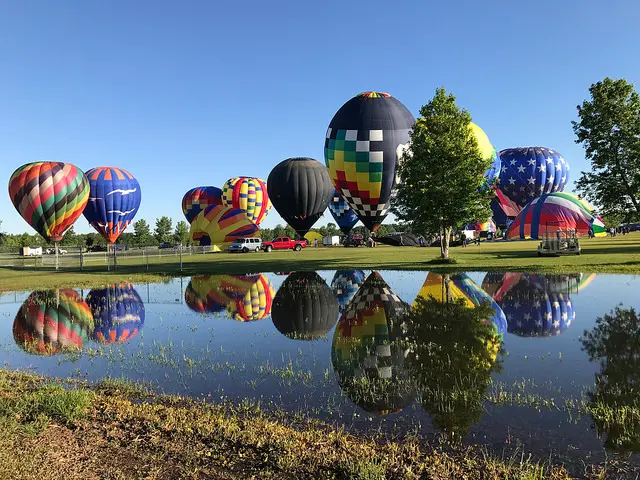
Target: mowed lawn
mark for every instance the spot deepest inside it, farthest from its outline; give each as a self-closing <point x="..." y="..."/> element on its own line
<point x="620" y="254"/>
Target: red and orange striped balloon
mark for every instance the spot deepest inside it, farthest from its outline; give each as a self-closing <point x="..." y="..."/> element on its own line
<point x="50" y="196"/>
<point x="218" y="225"/>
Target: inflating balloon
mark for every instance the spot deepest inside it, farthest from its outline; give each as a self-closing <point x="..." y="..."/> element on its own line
<point x="249" y="195"/>
<point x="304" y="307"/>
<point x="300" y="190"/>
<point x="529" y="172"/>
<point x="342" y="213"/>
<point x="552" y="213"/>
<point x="118" y="313"/>
<point x="50" y="196"/>
<point x="256" y="304"/>
<point x="199" y="198"/>
<point x="114" y="200"/>
<point x="51" y="321"/>
<point x="487" y="151"/>
<point x="218" y="225"/>
<point x="363" y="142"/>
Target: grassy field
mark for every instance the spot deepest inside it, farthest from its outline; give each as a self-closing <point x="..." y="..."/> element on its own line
<point x="114" y="429"/>
<point x="620" y="254"/>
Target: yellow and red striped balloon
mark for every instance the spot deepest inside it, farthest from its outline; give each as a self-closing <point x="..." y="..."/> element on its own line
<point x="218" y="225"/>
<point x="50" y="196"/>
<point x="250" y="195"/>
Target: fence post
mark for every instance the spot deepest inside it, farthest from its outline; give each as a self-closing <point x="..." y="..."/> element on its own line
<point x="181" y="257"/>
<point x="81" y="258"/>
<point x="146" y="254"/>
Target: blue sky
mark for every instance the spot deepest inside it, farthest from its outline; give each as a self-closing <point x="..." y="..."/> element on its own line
<point x="195" y="92"/>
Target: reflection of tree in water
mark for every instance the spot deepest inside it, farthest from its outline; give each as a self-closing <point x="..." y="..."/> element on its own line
<point x="453" y="354"/>
<point x="614" y="342"/>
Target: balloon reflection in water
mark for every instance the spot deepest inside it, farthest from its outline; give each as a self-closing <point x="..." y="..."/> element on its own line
<point x="368" y="351"/>
<point x="345" y="284"/>
<point x="535" y="305"/>
<point x="244" y="297"/>
<point x="51" y="321"/>
<point x="118" y="313"/>
<point x="304" y="307"/>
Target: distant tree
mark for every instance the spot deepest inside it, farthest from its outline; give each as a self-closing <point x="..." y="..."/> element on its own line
<point x="332" y="229"/>
<point x="164" y="229"/>
<point x="278" y="231"/>
<point x="181" y="233"/>
<point x="70" y="237"/>
<point x="142" y="232"/>
<point x="442" y="177"/>
<point x="609" y="129"/>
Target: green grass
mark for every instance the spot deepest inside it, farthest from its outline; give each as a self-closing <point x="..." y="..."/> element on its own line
<point x="600" y="255"/>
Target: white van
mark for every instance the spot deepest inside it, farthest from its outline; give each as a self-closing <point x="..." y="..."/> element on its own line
<point x="245" y="245"/>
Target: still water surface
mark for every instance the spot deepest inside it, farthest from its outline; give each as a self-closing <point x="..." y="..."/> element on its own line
<point x="343" y="347"/>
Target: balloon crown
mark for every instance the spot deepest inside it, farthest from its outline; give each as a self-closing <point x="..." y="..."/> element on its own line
<point x="373" y="95"/>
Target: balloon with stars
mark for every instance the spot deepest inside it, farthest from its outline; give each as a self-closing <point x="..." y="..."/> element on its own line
<point x="529" y="172"/>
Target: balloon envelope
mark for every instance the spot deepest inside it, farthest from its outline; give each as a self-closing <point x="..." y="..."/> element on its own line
<point x="304" y="307"/>
<point x="114" y="199"/>
<point x="218" y="225"/>
<point x="528" y="172"/>
<point x="362" y="145"/>
<point x="118" y="313"/>
<point x="199" y="198"/>
<point x="256" y="303"/>
<point x="249" y="195"/>
<point x="487" y="151"/>
<point x="555" y="212"/>
<point x="50" y="321"/>
<point x="300" y="189"/>
<point x="345" y="284"/>
<point x="50" y="196"/>
<point x="342" y="213"/>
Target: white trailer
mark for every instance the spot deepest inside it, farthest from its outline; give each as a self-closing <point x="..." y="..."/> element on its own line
<point x="330" y="240"/>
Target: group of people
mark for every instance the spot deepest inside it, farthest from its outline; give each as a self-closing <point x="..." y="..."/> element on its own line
<point x="475" y="239"/>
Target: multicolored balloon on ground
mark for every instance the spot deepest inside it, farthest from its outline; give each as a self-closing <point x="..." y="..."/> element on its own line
<point x="528" y="172"/>
<point x="552" y="213"/>
<point x="256" y="304"/>
<point x="368" y="354"/>
<point x="114" y="199"/>
<point x="118" y="313"/>
<point x="51" y="321"/>
<point x="300" y="190"/>
<point x="364" y="141"/>
<point x="342" y="213"/>
<point x="50" y="196"/>
<point x="345" y="284"/>
<point x="199" y="198"/>
<point x="304" y="307"/>
<point x="489" y="226"/>
<point x="218" y="225"/>
<point x="249" y="195"/>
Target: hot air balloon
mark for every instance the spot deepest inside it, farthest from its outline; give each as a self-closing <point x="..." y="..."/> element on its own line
<point x="368" y="352"/>
<point x="487" y="151"/>
<point x="198" y="300"/>
<point x="118" y="313"/>
<point x="114" y="200"/>
<point x="199" y="198"/>
<point x="249" y="195"/>
<point x="528" y="172"/>
<point x="363" y="143"/>
<point x="50" y="196"/>
<point x="554" y="212"/>
<point x="51" y="321"/>
<point x="304" y="307"/>
<point x="342" y="213"/>
<point x="489" y="226"/>
<point x="300" y="190"/>
<point x="532" y="309"/>
<point x="504" y="209"/>
<point x="256" y="304"/>
<point x="219" y="226"/>
<point x="345" y="284"/>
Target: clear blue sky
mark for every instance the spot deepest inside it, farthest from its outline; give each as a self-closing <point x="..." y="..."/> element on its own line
<point x="193" y="92"/>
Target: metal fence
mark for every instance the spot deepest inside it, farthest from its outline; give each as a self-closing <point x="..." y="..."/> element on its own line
<point x="75" y="257"/>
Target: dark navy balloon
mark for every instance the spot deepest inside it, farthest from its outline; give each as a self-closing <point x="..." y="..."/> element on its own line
<point x="114" y="199"/>
<point x="118" y="313"/>
<point x="343" y="214"/>
<point x="529" y="172"/>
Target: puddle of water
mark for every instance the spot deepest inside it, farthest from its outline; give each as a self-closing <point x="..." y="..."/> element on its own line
<point x="365" y="350"/>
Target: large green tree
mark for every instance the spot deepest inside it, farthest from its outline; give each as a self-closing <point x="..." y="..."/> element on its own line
<point x="164" y="229"/>
<point x="181" y="233"/>
<point x="608" y="127"/>
<point x="142" y="232"/>
<point x="442" y="182"/>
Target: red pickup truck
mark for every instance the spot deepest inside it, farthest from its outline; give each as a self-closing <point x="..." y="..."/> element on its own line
<point x="284" y="243"/>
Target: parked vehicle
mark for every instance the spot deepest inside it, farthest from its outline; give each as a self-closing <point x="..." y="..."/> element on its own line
<point x="52" y="251"/>
<point x="284" y="243"/>
<point x="31" y="251"/>
<point x="354" y="240"/>
<point x="245" y="245"/>
<point x="165" y="245"/>
<point x="330" y="240"/>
